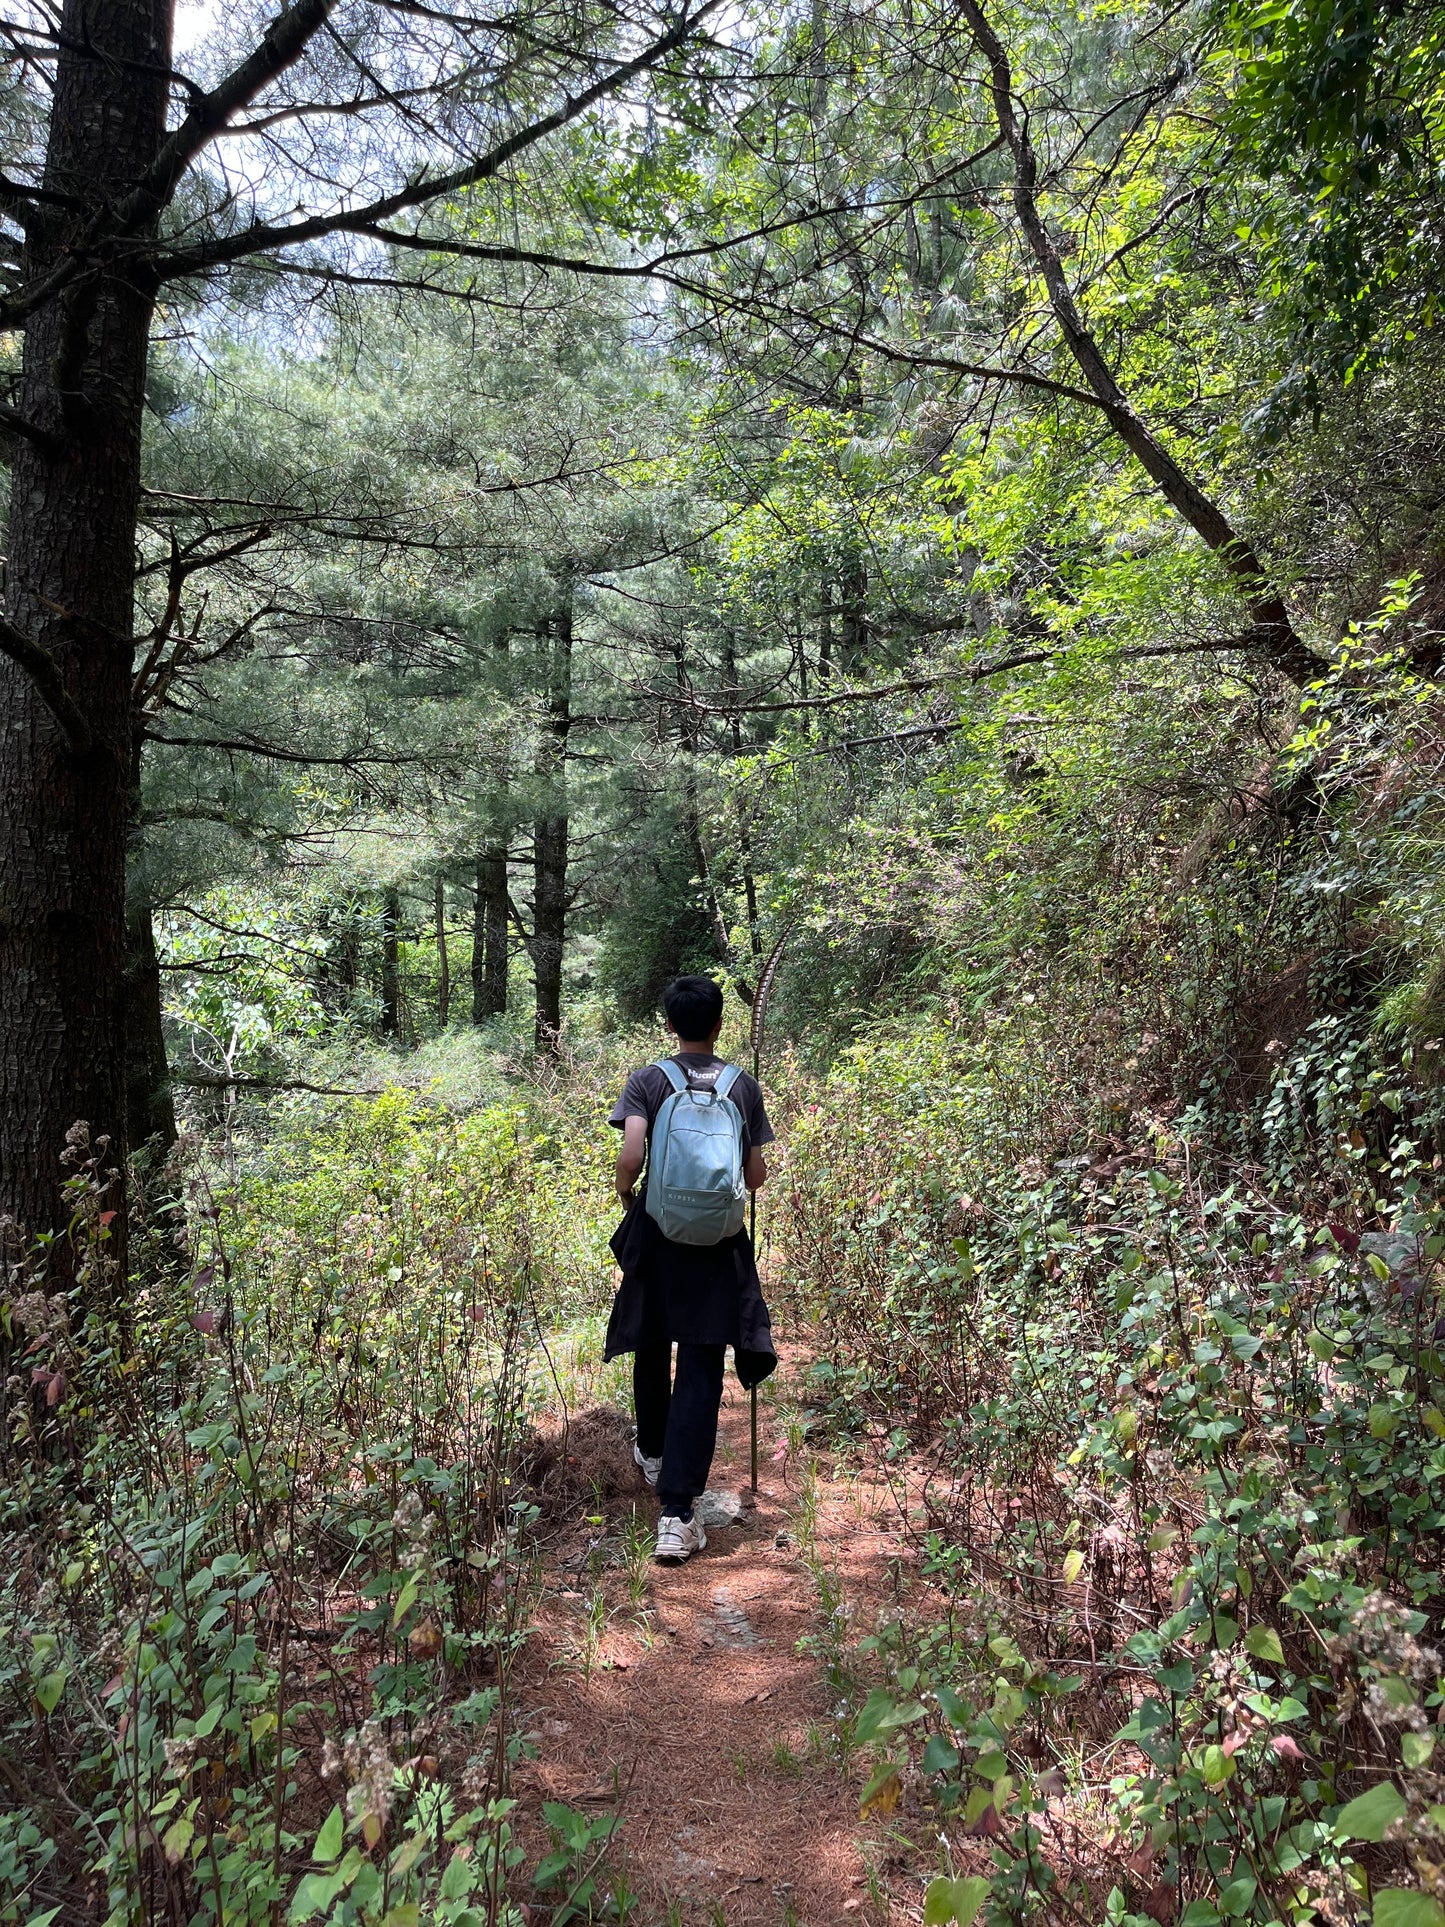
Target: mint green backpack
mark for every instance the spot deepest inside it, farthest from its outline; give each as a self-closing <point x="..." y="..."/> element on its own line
<point x="695" y="1189"/>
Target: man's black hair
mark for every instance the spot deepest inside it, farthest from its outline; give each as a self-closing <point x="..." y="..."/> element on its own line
<point x="694" y="1007"/>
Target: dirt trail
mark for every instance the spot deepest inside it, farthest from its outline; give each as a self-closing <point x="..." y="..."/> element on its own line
<point x="692" y="1712"/>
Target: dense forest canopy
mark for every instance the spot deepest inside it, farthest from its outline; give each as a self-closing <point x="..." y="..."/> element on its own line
<point x="508" y="507"/>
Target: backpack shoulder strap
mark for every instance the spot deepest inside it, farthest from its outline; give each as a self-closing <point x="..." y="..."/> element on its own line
<point x="726" y="1079"/>
<point x="672" y="1073"/>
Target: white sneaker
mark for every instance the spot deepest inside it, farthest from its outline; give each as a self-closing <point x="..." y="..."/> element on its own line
<point x="678" y="1539"/>
<point x="648" y="1467"/>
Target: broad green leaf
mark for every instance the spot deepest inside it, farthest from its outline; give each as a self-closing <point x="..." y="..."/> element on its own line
<point x="328" y="1841"/>
<point x="1263" y="1643"/>
<point x="1237" y="1897"/>
<point x="956" y="1711"/>
<point x="954" y="1900"/>
<point x="1371" y="1815"/>
<point x="1404" y="1907"/>
<point x="408" y="1853"/>
<point x="1199" y="1913"/>
<point x="405" y="1600"/>
<point x="314" y="1895"/>
<point x="458" y="1880"/>
<point x="1073" y="1566"/>
<point x="1417" y="1748"/>
<point x="177" y="1837"/>
<point x="49" y="1689"/>
<point x="881" y="1715"/>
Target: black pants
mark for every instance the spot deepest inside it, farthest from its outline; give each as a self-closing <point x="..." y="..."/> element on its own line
<point x="678" y="1422"/>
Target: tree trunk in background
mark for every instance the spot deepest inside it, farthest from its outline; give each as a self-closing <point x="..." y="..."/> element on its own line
<point x="745" y="842"/>
<point x="489" y="935"/>
<point x="853" y="622"/>
<point x="550" y="832"/>
<point x="390" y="964"/>
<point x="69" y="590"/>
<point x="150" y="1112"/>
<point x="444" y="974"/>
<point x="491" y="931"/>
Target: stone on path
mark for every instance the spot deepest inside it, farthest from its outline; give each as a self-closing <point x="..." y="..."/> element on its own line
<point x="719" y="1509"/>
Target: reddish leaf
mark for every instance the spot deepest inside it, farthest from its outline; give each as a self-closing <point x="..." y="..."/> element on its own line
<point x="1286" y="1746"/>
<point x="1347" y="1240"/>
<point x="1160" y="1902"/>
<point x="108" y="1217"/>
<point x="204" y="1321"/>
<point x="1234" y="1741"/>
<point x="39" y="1374"/>
<point x="203" y="1277"/>
<point x="55" y="1388"/>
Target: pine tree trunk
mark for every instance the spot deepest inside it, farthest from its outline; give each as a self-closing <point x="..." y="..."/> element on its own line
<point x="390" y="964"/>
<point x="550" y="835"/>
<point x="69" y="589"/>
<point x="489" y="935"/>
<point x="444" y="974"/>
<point x="150" y="1111"/>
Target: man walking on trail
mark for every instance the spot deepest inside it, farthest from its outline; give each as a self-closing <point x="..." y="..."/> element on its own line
<point x="694" y="1288"/>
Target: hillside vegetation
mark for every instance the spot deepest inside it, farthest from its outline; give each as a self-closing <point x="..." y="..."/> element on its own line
<point x="932" y="516"/>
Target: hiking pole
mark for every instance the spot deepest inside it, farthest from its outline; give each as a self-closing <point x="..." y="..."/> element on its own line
<point x="755" y="1038"/>
<point x="753" y="1240"/>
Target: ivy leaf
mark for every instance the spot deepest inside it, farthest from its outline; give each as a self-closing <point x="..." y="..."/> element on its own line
<point x="1371" y="1815"/>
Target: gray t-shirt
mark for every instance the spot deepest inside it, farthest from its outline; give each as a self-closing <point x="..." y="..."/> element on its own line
<point x="645" y="1090"/>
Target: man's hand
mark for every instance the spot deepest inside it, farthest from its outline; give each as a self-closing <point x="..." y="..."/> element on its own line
<point x="631" y="1157"/>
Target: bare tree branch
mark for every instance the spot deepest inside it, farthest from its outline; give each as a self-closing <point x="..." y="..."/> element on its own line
<point x="262" y="237"/>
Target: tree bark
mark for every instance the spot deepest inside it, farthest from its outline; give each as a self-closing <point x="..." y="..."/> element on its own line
<point x="390" y="964"/>
<point x="489" y="935"/>
<point x="444" y="974"/>
<point x="853" y="626"/>
<point x="550" y="831"/>
<point x="65" y="758"/>
<point x="150" y="1111"/>
<point x="1274" y="633"/>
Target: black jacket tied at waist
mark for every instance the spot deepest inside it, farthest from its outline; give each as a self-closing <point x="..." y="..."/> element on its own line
<point x="690" y="1295"/>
